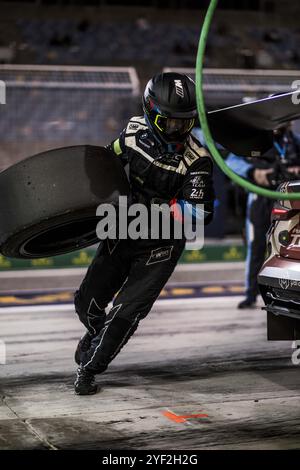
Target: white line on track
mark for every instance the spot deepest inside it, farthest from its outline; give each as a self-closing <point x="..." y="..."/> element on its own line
<point x="161" y="302"/>
<point x="27" y="273"/>
<point x="55" y="272"/>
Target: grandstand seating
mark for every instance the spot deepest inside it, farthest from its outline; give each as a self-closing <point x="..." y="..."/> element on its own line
<point x="65" y="41"/>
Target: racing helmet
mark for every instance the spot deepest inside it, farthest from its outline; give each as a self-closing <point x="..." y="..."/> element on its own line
<point x="170" y="107"/>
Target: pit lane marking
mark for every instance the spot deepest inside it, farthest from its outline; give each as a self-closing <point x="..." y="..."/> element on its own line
<point x="182" y="418"/>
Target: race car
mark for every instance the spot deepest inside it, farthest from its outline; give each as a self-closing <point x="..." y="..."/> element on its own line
<point x="279" y="278"/>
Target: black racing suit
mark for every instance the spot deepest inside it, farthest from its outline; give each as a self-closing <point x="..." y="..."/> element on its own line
<point x="133" y="272"/>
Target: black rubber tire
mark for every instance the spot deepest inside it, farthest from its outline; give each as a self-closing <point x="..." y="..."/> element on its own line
<point x="48" y="202"/>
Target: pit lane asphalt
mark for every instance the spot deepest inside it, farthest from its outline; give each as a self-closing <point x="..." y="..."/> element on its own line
<point x="193" y="356"/>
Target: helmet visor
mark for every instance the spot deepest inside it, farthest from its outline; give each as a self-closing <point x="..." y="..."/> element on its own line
<point x="173" y="126"/>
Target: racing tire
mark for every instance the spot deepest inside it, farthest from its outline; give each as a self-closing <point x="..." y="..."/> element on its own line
<point x="48" y="202"/>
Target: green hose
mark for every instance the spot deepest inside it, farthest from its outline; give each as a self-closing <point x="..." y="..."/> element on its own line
<point x="205" y="127"/>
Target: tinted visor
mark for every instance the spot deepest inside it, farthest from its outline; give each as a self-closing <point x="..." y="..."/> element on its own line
<point x="173" y="126"/>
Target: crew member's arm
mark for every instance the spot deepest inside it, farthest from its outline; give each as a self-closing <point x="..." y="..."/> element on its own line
<point x="243" y="168"/>
<point x="197" y="190"/>
<point x="240" y="166"/>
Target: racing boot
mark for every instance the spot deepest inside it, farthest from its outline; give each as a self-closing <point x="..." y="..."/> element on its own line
<point x="83" y="346"/>
<point x="85" y="382"/>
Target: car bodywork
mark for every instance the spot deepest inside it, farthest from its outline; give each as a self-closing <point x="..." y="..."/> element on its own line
<point x="279" y="278"/>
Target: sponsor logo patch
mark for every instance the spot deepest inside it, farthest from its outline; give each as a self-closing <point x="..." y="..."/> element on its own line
<point x="133" y="126"/>
<point x="284" y="283"/>
<point x="197" y="194"/>
<point x="179" y="88"/>
<point x="197" y="182"/>
<point x="145" y="141"/>
<point x="160" y="254"/>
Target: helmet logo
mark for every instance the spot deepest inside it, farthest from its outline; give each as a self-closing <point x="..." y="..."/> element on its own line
<point x="179" y="88"/>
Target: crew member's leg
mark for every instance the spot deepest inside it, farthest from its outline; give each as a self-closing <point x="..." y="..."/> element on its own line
<point x="257" y="225"/>
<point x="151" y="266"/>
<point x="104" y="278"/>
